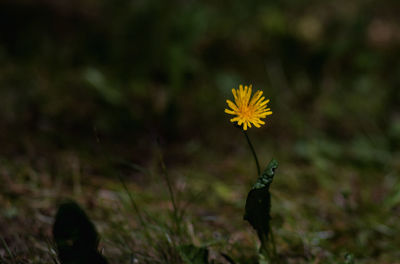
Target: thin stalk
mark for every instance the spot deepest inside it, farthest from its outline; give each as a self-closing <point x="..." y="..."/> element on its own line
<point x="132" y="201"/>
<point x="268" y="247"/>
<point x="264" y="248"/>
<point x="8" y="250"/>
<point x="170" y="190"/>
<point x="49" y="248"/>
<point x="273" y="244"/>
<point x="254" y="152"/>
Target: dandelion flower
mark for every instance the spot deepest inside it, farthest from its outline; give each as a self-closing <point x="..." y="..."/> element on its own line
<point x="248" y="110"/>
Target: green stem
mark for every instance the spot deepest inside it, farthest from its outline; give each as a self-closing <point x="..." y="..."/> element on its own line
<point x="254" y="152"/>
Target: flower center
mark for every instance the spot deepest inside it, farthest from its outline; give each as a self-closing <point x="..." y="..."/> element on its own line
<point x="247" y="111"/>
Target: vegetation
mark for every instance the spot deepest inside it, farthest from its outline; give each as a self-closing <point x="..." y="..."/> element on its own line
<point x="119" y="105"/>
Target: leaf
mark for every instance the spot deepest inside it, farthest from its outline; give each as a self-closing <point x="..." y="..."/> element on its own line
<point x="191" y="254"/>
<point x="76" y="236"/>
<point x="267" y="176"/>
<point x="258" y="203"/>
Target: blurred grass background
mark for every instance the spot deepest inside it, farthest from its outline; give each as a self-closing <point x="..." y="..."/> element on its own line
<point x="87" y="87"/>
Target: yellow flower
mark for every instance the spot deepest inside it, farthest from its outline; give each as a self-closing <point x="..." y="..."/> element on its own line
<point x="248" y="111"/>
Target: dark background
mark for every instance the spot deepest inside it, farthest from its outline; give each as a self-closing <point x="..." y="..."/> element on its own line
<point x="128" y="68"/>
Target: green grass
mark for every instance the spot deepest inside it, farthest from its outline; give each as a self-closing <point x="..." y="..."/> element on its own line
<point x="323" y="209"/>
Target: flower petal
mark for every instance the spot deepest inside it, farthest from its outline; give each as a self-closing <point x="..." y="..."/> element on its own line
<point x="232" y="105"/>
<point x="228" y="111"/>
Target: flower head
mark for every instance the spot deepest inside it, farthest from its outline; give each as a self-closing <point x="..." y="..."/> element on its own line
<point x="248" y="110"/>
